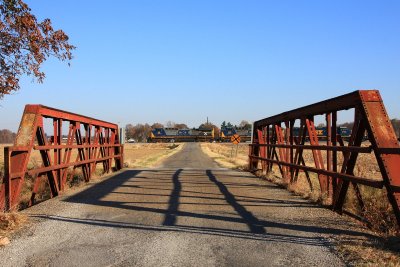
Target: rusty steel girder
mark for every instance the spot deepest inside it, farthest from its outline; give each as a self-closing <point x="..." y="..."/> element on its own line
<point x="92" y="141"/>
<point x="277" y="145"/>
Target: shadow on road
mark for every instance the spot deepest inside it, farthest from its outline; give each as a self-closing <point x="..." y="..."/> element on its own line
<point x="118" y="191"/>
<point x="253" y="223"/>
<point x="170" y="216"/>
<point x="312" y="241"/>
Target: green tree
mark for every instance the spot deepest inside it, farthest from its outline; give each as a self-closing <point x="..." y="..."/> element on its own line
<point x="223" y="125"/>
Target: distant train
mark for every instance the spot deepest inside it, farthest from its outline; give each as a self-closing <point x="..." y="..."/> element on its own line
<point x="227" y="132"/>
<point x="166" y="135"/>
<point x="198" y="135"/>
<point x="322" y="132"/>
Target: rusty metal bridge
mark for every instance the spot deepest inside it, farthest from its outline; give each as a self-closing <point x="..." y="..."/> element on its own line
<point x="275" y="144"/>
<point x="89" y="142"/>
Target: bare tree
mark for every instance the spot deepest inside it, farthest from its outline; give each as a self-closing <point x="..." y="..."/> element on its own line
<point x="209" y="126"/>
<point x="181" y="126"/>
<point x="139" y="132"/>
<point x="157" y="125"/>
<point x="245" y="124"/>
<point x="6" y="136"/>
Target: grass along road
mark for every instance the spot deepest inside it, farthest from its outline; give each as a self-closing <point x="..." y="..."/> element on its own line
<point x="149" y="154"/>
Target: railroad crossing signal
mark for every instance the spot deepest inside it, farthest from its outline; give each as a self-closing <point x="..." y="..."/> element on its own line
<point x="235" y="139"/>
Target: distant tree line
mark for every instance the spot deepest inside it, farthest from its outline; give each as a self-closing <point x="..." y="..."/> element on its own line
<point x="140" y="132"/>
<point x="243" y="124"/>
<point x="7" y="137"/>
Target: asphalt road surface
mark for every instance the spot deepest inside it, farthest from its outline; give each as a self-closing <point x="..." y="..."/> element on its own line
<point x="187" y="212"/>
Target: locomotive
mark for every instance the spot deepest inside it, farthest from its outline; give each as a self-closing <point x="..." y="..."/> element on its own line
<point x="322" y="132"/>
<point x="227" y="132"/>
<point x="165" y="135"/>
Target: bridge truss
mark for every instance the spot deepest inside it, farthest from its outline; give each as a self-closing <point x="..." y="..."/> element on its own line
<point x="86" y="143"/>
<point x="334" y="162"/>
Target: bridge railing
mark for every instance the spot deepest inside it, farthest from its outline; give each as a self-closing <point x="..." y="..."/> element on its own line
<point x="86" y="143"/>
<point x="284" y="140"/>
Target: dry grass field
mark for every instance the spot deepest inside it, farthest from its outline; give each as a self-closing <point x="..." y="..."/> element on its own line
<point x="136" y="155"/>
<point x="148" y="155"/>
<point x="228" y="155"/>
<point x="34" y="161"/>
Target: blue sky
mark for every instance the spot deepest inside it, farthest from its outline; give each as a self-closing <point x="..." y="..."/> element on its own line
<point x="180" y="60"/>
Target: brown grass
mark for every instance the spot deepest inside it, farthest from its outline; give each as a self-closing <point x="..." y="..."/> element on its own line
<point x="148" y="155"/>
<point x="364" y="251"/>
<point x="227" y="154"/>
<point x="11" y="222"/>
<point x="34" y="160"/>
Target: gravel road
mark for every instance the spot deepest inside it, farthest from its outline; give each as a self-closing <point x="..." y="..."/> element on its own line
<point x="187" y="212"/>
